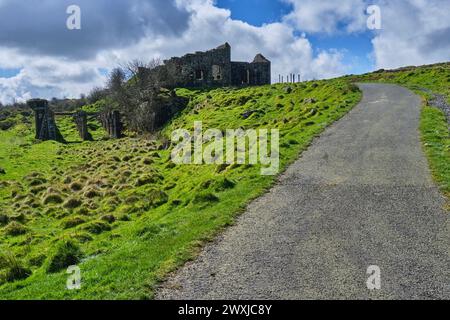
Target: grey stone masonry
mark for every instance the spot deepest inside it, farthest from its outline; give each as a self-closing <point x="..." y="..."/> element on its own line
<point x="214" y="68"/>
<point x="82" y="125"/>
<point x="111" y="122"/>
<point x="46" y="128"/>
<point x="45" y="124"/>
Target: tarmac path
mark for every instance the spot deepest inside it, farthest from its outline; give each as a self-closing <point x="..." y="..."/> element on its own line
<point x="361" y="195"/>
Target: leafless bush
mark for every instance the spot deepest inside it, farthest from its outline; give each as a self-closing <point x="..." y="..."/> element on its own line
<point x="135" y="94"/>
<point x="97" y="94"/>
<point x="136" y="89"/>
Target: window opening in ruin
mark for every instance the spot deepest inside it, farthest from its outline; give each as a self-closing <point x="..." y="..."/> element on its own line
<point x="217" y="72"/>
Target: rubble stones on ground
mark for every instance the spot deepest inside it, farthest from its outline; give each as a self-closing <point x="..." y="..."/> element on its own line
<point x="440" y="102"/>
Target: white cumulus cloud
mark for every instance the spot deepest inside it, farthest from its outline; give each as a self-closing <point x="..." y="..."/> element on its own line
<point x="56" y="62"/>
<point x="415" y="32"/>
<point x="328" y="16"/>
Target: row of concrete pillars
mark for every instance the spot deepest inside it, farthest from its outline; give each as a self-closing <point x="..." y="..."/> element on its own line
<point x="46" y="128"/>
<point x="111" y="122"/>
<point x="290" y="78"/>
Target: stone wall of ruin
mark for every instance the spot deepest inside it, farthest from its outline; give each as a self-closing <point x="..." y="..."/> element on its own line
<point x="213" y="68"/>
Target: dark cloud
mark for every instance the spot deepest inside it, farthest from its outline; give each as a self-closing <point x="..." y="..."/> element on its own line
<point x="52" y="75"/>
<point x="39" y="27"/>
<point x="438" y="40"/>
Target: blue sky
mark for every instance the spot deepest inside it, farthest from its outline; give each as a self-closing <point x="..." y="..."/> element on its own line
<point x="41" y="58"/>
<point x="357" y="48"/>
<point x="9" y="73"/>
<point x="256" y="12"/>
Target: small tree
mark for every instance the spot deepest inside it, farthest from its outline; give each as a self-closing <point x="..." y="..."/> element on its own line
<point x="135" y="87"/>
<point x="97" y="94"/>
<point x="116" y="86"/>
<point x="144" y="74"/>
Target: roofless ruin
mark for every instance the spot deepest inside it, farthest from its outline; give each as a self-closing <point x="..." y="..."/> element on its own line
<point x="214" y="68"/>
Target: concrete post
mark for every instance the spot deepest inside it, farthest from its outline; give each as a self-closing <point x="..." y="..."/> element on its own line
<point x="45" y="125"/>
<point x="82" y="125"/>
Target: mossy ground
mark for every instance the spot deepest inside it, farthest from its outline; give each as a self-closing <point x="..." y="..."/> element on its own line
<point x="133" y="214"/>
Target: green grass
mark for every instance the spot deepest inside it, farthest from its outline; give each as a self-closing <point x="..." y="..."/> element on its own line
<point x="134" y="215"/>
<point x="436" y="139"/>
<point x="129" y="215"/>
<point x="435" y="78"/>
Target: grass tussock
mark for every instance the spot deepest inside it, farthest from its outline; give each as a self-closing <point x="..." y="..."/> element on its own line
<point x="15" y="228"/>
<point x="65" y="254"/>
<point x="125" y="203"/>
<point x="13" y="268"/>
<point x="53" y="199"/>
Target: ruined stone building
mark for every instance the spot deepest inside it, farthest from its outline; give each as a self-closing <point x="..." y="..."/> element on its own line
<point x="215" y="68"/>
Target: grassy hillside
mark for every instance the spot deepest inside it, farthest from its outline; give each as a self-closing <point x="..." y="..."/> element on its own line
<point x="121" y="210"/>
<point x="426" y="81"/>
<point x="126" y="215"/>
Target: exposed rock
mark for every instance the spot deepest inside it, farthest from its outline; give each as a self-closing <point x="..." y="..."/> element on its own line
<point x="247" y="114"/>
<point x="310" y="100"/>
<point x="440" y="102"/>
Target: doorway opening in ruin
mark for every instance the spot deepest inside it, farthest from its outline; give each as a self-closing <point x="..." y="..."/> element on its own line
<point x="245" y="77"/>
<point x="198" y="74"/>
